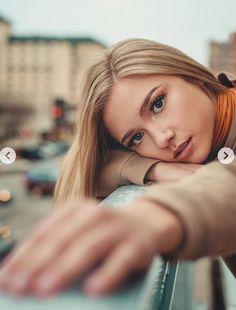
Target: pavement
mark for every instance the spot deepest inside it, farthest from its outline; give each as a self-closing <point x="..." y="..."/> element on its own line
<point x="25" y="209"/>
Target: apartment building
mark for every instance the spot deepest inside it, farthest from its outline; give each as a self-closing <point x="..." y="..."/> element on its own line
<point x="37" y="70"/>
<point x="222" y="55"/>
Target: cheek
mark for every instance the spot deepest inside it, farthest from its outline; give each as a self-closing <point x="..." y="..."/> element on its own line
<point x="150" y="150"/>
<point x="200" y="154"/>
<point x="204" y="122"/>
<point x="147" y="148"/>
<point x="203" y="142"/>
<point x="199" y="116"/>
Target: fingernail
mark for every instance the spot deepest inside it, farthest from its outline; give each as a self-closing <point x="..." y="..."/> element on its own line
<point x="19" y="282"/>
<point x="45" y="283"/>
<point x="94" y="286"/>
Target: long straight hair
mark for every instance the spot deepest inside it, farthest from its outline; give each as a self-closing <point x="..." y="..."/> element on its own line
<point x="130" y="58"/>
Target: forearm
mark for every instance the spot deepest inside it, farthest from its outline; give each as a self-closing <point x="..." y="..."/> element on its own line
<point x="205" y="204"/>
<point x="122" y="168"/>
<point x="167" y="228"/>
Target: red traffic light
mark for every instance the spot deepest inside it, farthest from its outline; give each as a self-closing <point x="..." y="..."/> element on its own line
<point x="57" y="112"/>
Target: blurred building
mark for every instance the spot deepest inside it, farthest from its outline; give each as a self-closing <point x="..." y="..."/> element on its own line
<point x="37" y="70"/>
<point x="222" y="55"/>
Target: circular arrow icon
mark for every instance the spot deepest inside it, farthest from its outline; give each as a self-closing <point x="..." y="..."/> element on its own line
<point x="7" y="155"/>
<point x="225" y="155"/>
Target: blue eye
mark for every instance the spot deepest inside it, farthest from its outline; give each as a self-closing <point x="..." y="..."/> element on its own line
<point x="158" y="105"/>
<point x="136" y="139"/>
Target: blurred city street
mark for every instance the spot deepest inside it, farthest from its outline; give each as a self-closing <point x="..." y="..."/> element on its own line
<point x="25" y="208"/>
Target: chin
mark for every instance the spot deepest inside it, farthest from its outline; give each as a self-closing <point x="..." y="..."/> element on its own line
<point x="199" y="157"/>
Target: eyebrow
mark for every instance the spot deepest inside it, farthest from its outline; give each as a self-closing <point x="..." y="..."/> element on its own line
<point x="141" y="112"/>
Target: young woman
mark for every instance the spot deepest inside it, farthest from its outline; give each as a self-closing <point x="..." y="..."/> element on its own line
<point x="181" y="104"/>
<point x="173" y="115"/>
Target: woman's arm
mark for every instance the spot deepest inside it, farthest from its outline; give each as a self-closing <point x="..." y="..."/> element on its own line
<point x="74" y="240"/>
<point x="122" y="168"/>
<point x="205" y="204"/>
<point x="125" y="167"/>
<point x="189" y="219"/>
<point x="169" y="172"/>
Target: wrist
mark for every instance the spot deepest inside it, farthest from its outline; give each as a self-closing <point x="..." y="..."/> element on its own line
<point x="165" y="225"/>
<point x="150" y="175"/>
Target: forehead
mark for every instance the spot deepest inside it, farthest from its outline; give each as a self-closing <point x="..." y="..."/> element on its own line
<point x="125" y="101"/>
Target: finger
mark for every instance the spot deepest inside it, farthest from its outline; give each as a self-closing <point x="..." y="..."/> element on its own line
<point x="38" y="230"/>
<point x="49" y="244"/>
<point x="18" y="272"/>
<point x="119" y="265"/>
<point x="60" y="239"/>
<point x="80" y="256"/>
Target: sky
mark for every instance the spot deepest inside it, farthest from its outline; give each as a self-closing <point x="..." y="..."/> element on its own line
<point x="185" y="24"/>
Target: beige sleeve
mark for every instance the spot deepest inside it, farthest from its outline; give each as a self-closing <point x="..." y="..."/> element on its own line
<point x="206" y="205"/>
<point x="122" y="168"/>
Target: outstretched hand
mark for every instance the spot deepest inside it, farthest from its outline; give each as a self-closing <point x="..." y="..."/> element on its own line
<point x="76" y="238"/>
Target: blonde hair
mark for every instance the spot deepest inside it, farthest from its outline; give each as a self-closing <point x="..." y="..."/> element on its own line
<point x="134" y="57"/>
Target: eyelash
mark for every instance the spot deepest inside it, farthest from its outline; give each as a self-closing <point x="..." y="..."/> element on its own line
<point x="151" y="105"/>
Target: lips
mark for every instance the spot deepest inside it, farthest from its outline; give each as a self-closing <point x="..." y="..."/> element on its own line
<point x="181" y="148"/>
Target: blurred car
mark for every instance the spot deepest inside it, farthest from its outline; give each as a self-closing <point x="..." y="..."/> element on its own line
<point x="41" y="178"/>
<point x="28" y="153"/>
<point x="45" y="151"/>
<point x="51" y="149"/>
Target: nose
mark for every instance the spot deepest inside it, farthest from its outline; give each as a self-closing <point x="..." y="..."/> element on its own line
<point x="163" y="138"/>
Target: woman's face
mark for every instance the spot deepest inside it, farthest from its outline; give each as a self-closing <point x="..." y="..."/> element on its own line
<point x="162" y="117"/>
